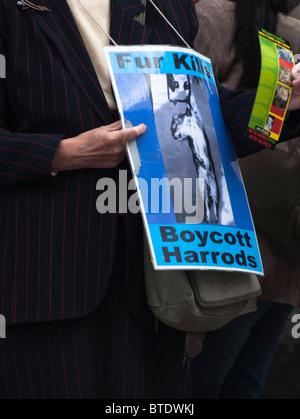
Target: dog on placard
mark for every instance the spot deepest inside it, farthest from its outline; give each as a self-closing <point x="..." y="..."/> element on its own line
<point x="189" y="127"/>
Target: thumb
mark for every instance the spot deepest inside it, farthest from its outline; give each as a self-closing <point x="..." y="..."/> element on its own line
<point x="134" y="132"/>
<point x="296" y="71"/>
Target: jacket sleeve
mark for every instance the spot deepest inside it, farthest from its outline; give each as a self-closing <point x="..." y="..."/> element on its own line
<point x="23" y="157"/>
<point x="237" y="108"/>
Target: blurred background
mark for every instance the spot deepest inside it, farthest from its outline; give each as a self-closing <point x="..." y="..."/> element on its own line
<point x="283" y="381"/>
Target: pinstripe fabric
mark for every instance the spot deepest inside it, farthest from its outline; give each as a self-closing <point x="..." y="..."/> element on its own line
<point x="56" y="250"/>
<point x="106" y="354"/>
<point x="58" y="255"/>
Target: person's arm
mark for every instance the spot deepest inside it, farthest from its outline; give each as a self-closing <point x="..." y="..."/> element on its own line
<point x="34" y="157"/>
<point x="99" y="148"/>
<point x="237" y="108"/>
<point x="31" y="158"/>
<point x="24" y="157"/>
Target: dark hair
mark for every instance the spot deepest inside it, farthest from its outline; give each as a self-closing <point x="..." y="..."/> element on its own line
<point x="251" y="15"/>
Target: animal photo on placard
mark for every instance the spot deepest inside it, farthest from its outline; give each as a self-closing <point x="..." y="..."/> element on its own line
<point x="185" y="126"/>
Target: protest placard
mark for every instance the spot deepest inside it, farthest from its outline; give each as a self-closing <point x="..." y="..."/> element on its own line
<point x="192" y="198"/>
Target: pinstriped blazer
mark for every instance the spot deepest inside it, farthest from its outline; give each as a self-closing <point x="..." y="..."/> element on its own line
<point x="56" y="250"/>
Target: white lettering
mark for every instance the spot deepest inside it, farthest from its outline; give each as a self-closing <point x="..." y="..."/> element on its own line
<point x="165" y="196"/>
<point x="2" y="327"/>
<point x="2" y="67"/>
<point x="117" y="409"/>
<point x="296" y="329"/>
<point x="107" y="201"/>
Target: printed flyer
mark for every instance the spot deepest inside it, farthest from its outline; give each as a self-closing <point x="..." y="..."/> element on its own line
<point x="191" y="194"/>
<point x="274" y="90"/>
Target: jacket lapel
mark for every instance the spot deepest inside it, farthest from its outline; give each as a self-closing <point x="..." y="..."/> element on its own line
<point x="124" y="30"/>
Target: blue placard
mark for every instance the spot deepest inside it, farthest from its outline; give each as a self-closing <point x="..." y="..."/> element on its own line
<point x="191" y="192"/>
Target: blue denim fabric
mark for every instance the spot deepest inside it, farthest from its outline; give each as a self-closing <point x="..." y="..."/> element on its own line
<point x="235" y="359"/>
